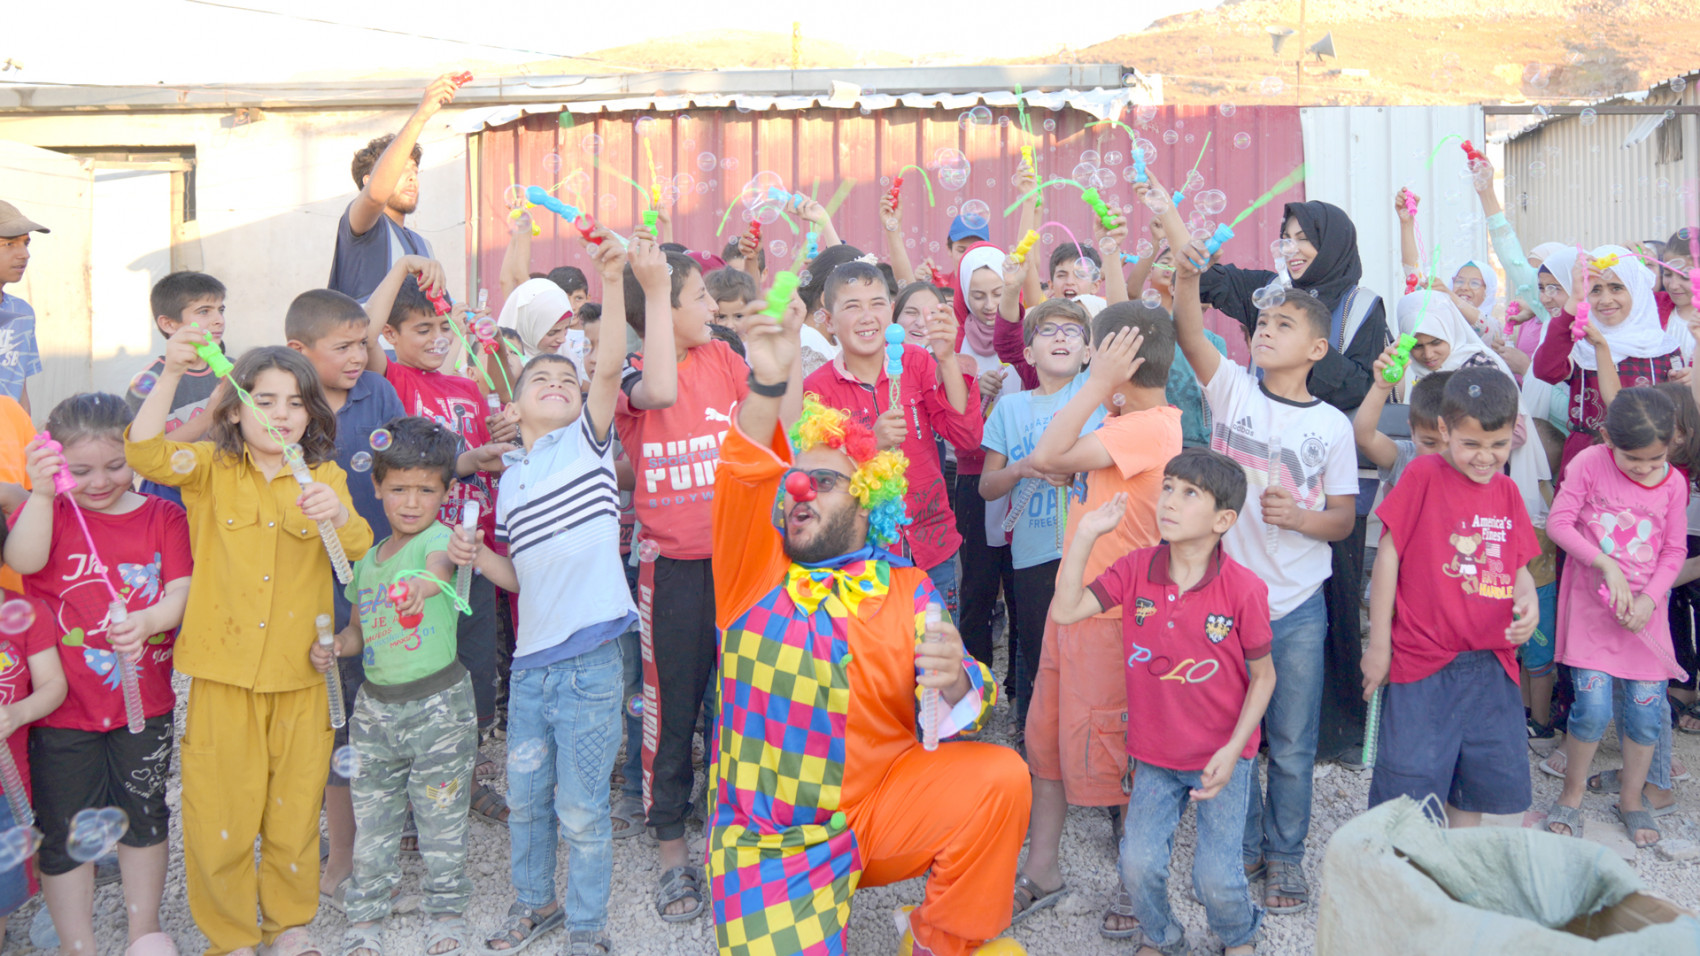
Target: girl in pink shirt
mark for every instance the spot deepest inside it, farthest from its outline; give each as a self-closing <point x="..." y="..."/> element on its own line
<point x="1622" y="517"/>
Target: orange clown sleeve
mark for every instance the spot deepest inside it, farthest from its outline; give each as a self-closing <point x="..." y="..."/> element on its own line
<point x="749" y="554"/>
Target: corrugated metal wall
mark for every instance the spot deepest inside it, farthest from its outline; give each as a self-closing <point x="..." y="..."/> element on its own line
<point x="1358" y="157"/>
<point x="1572" y="180"/>
<point x="814" y="151"/>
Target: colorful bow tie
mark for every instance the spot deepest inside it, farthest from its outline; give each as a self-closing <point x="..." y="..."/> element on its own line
<point x="846" y="587"/>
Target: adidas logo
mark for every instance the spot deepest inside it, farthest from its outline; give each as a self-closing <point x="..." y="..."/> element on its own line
<point x="1243" y="424"/>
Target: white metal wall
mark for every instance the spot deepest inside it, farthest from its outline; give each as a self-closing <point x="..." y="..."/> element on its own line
<point x="1358" y="157"/>
<point x="1571" y="181"/>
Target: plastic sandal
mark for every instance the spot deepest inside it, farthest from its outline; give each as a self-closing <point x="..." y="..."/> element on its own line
<point x="1177" y="948"/>
<point x="1634" y="820"/>
<point x="1122" y="906"/>
<point x="588" y="942"/>
<point x="358" y="939"/>
<point x="629" y="811"/>
<point x="489" y="805"/>
<point x="679" y="883"/>
<point x="448" y="929"/>
<point x="1566" y="817"/>
<point x="1030" y="898"/>
<point x="522" y="928"/>
<point x="296" y="941"/>
<point x="1285" y="880"/>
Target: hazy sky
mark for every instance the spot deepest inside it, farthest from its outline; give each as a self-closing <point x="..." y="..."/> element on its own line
<point x="180" y="41"/>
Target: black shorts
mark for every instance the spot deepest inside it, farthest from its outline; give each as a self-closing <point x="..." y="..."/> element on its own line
<point x="80" y="769"/>
<point x="1458" y="734"/>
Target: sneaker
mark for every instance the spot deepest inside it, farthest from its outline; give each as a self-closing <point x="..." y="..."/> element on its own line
<point x="1540" y="731"/>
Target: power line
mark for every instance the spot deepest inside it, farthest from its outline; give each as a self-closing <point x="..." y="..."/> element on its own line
<point x="401" y="33"/>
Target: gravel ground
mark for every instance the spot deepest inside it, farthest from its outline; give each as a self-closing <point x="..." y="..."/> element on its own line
<point x="1070" y="928"/>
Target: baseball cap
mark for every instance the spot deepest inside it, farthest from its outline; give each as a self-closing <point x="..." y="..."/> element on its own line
<point x="960" y="229"/>
<point x="14" y="223"/>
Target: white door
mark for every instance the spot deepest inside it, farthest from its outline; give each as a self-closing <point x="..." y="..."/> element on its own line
<point x="57" y="191"/>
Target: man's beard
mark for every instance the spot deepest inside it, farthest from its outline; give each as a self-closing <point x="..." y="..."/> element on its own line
<point x="837" y="538"/>
<point x="397" y="203"/>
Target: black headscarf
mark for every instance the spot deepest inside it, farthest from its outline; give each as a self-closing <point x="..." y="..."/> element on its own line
<point x="1336" y="268"/>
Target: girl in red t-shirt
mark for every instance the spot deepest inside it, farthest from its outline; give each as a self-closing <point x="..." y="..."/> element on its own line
<point x="85" y="756"/>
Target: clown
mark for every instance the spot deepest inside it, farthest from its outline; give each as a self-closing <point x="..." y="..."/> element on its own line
<point x="820" y="783"/>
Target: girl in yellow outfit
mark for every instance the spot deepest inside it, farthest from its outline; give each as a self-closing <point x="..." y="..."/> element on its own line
<point x="257" y="740"/>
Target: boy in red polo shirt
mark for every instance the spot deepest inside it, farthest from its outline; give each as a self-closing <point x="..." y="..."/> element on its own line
<point x="1196" y="640"/>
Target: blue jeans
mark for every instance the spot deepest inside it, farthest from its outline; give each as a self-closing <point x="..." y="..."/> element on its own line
<point x="944" y="577"/>
<point x="1159" y="800"/>
<point x="631" y="657"/>
<point x="1641" y="716"/>
<point x="573" y="708"/>
<point x="1291" y="726"/>
<point x="1659" y="774"/>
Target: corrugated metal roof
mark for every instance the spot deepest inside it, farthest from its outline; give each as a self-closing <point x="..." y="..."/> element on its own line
<point x="817" y="150"/>
<point x="1631" y="96"/>
<point x="1099" y="103"/>
<point x="1358" y="157"/>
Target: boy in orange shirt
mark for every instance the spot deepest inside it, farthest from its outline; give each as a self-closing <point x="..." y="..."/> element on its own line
<point x="1125" y="455"/>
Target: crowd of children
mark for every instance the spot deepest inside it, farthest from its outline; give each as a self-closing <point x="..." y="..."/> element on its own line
<point x="481" y="524"/>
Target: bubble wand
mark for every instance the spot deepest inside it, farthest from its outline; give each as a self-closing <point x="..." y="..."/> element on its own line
<point x="1019" y="253"/>
<point x="1372" y="729"/>
<point x="1029" y="487"/>
<point x="293" y="457"/>
<point x="1271" y="533"/>
<point x="1040" y="188"/>
<point x="779" y="296"/>
<point x="398" y="593"/>
<point x="1579" y="328"/>
<point x="894" y="336"/>
<point x="930" y="695"/>
<point x="1180" y="194"/>
<point x="129" y="679"/>
<point x="1225" y="232"/>
<point x="333" y="677"/>
<point x="463" y="575"/>
<point x="13" y="783"/>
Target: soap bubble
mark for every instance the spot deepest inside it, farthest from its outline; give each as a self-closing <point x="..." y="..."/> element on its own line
<point x="16" y="616"/>
<point x="95" y="832"/>
<point x="1091" y="156"/>
<point x="976" y="214"/>
<point x="702" y="188"/>
<point x="644" y="125"/>
<point x="361" y="461"/>
<point x="1156" y="200"/>
<point x="1535" y="76"/>
<point x="1143" y="248"/>
<point x="551" y="162"/>
<point x="17" y="845"/>
<point x="706" y="162"/>
<point x="345" y="762"/>
<point x="1662" y="185"/>
<point x="1050" y="125"/>
<point x="1588" y="116"/>
<point x="1087" y="271"/>
<point x="634" y="705"/>
<point x="767" y="215"/>
<point x="729" y="163"/>
<point x="1145" y="150"/>
<point x="1107" y="245"/>
<point x="1112" y="158"/>
<point x="1271" y="86"/>
<point x="1194" y="181"/>
<point x="684" y="181"/>
<point x="1152" y="299"/>
<point x="526" y="756"/>
<point x="1211" y="202"/>
<point x="1282" y="248"/>
<point x="1047" y="239"/>
<point x="143" y="384"/>
<point x="514" y="197"/>
<point x="1083" y="172"/>
<point x="1537" y="170"/>
<point x="1269" y="296"/>
<point x="1143" y="114"/>
<point x="1118" y="399"/>
<point x="1242" y="140"/>
<point x="1103" y="178"/>
<point x="183" y="461"/>
<point x="777" y="248"/>
<point x="591" y="144"/>
<point x="381" y="439"/>
<point x="1170" y="137"/>
<point x="1226" y="109"/>
<point x="979" y="116"/>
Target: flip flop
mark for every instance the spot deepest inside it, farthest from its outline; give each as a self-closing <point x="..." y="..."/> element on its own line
<point x="1030" y="898"/>
<point x="1634" y="820"/>
<point x="1565" y="817"/>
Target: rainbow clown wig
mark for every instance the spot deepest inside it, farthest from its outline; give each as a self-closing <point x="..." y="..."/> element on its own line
<point x="878" y="484"/>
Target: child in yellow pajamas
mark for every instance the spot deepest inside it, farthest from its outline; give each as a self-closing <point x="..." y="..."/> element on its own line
<point x="257" y="738"/>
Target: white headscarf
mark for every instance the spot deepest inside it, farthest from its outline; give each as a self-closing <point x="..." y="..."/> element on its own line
<point x="532" y="310"/>
<point x="1559" y="265"/>
<point x="1545" y="251"/>
<point x="1489" y="280"/>
<point x="1434" y="314"/>
<point x="977" y="335"/>
<point x="1637" y="336"/>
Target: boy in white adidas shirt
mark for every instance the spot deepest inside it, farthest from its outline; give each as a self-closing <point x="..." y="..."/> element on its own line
<point x="1292" y="512"/>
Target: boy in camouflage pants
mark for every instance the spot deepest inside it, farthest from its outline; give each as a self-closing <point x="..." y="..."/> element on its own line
<point x="413" y="731"/>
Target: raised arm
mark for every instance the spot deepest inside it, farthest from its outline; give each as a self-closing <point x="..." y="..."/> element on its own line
<point x="1073" y="601"/>
<point x="659" y="386"/>
<point x="388" y="171"/>
<point x="1200" y="352"/>
<point x="1115" y="281"/>
<point x="610" y="261"/>
<point x="30" y="542"/>
<point x="891" y="226"/>
<point x="815" y="214"/>
<point x="1062" y="449"/>
<point x="1409" y="255"/>
<point x="1366" y="421"/>
<point x="382" y="301"/>
<point x="516" y="261"/>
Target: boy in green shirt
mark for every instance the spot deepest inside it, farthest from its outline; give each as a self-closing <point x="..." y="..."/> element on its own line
<point x="413" y="731"/>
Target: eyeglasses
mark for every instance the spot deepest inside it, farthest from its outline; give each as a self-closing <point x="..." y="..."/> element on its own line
<point x="1067" y="331"/>
<point x="1476" y="284"/>
<point x="821" y="480"/>
<point x="1554" y="290"/>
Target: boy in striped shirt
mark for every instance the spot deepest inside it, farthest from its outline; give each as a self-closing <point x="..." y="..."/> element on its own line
<point x="558" y="512"/>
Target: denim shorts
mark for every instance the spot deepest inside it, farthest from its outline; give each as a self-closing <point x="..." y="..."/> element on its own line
<point x="1458" y="734"/>
<point x="1644" y="711"/>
